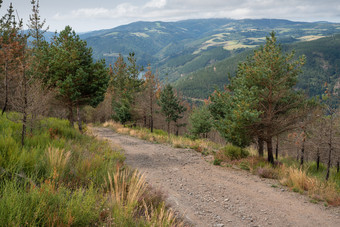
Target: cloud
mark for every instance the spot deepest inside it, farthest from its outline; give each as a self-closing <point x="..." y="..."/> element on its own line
<point x="155" y="4"/>
<point x="170" y="10"/>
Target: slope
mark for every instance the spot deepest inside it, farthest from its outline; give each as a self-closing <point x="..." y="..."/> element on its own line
<point x="322" y="65"/>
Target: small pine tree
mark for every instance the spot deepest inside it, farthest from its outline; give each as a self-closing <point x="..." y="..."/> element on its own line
<point x="170" y="106"/>
<point x="125" y="86"/>
<point x="201" y="122"/>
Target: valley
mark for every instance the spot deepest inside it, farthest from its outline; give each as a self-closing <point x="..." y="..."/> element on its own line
<point x="197" y="55"/>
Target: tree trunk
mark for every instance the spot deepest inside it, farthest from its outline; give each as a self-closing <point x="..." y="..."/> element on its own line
<point x="151" y="111"/>
<point x="270" y="150"/>
<point x="277" y="148"/>
<point x="79" y="119"/>
<point x="151" y="123"/>
<point x="330" y="147"/>
<point x="329" y="162"/>
<point x="260" y="148"/>
<point x="337" y="166"/>
<point x="70" y="115"/>
<point x="168" y="129"/>
<point x="6" y="90"/>
<point x="318" y="160"/>
<point x="25" y="106"/>
<point x="144" y="120"/>
<point x="302" y="152"/>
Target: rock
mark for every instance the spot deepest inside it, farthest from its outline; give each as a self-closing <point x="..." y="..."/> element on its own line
<point x="218" y="225"/>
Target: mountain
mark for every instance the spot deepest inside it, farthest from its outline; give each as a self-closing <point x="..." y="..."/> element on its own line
<point x="176" y="49"/>
<point x="322" y="66"/>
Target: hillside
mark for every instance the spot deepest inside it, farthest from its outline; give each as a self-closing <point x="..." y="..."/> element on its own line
<point x="176" y="49"/>
<point x="322" y="65"/>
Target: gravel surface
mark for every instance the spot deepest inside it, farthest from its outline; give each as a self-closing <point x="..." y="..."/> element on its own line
<point x="208" y="195"/>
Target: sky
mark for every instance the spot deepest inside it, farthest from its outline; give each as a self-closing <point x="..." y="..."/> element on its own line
<point x="89" y="15"/>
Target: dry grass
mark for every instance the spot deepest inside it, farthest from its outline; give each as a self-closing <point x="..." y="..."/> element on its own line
<point x="58" y="159"/>
<point x="162" y="217"/>
<point x="126" y="191"/>
<point x="299" y="181"/>
<point x="200" y="145"/>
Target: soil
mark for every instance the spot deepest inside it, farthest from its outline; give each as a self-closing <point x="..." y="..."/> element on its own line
<point x="208" y="195"/>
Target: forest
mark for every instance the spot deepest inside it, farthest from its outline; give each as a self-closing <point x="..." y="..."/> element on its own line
<point x="52" y="172"/>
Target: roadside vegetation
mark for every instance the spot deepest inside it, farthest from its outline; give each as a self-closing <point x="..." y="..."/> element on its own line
<point x="65" y="178"/>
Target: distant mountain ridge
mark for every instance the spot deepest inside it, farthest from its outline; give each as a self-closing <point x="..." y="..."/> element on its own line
<point x="189" y="51"/>
<point x="176" y="49"/>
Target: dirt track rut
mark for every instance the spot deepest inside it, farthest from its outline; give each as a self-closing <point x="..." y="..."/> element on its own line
<point x="209" y="195"/>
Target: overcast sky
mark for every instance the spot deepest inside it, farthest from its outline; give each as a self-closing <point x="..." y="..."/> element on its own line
<point x="88" y="15"/>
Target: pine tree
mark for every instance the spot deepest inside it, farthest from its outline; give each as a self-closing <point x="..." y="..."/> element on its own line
<point x="201" y="122"/>
<point x="77" y="79"/>
<point x="261" y="100"/>
<point x="125" y="84"/>
<point x="170" y="106"/>
<point x="148" y="97"/>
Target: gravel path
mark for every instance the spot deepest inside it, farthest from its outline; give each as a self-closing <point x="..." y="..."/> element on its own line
<point x="209" y="195"/>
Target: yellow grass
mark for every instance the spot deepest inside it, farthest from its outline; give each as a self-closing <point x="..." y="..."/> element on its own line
<point x="126" y="190"/>
<point x="310" y="37"/>
<point x="201" y="145"/>
<point x="298" y="180"/>
<point x="58" y="159"/>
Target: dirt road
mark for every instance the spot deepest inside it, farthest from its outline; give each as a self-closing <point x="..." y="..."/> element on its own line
<point x="210" y="195"/>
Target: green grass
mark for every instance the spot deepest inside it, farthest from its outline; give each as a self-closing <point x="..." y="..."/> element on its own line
<point x="60" y="178"/>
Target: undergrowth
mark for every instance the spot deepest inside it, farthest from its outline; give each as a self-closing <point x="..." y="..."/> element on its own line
<point x="203" y="146"/>
<point x="64" y="178"/>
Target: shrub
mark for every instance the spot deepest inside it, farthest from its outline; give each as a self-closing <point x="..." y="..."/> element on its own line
<point x="234" y="152"/>
<point x="267" y="172"/>
<point x="217" y="162"/>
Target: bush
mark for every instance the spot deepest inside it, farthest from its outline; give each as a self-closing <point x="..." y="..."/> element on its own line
<point x="217" y="162"/>
<point x="234" y="152"/>
<point x="267" y="172"/>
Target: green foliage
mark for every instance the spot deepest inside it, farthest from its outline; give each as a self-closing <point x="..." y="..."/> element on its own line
<point x="77" y="79"/>
<point x="200" y="121"/>
<point x="233" y="115"/>
<point x="217" y="162"/>
<point x="171" y="106"/>
<point x="125" y="85"/>
<point x="260" y="100"/>
<point x="48" y="205"/>
<point x="234" y="152"/>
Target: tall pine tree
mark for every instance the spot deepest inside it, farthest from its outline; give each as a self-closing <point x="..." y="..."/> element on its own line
<point x="261" y="100"/>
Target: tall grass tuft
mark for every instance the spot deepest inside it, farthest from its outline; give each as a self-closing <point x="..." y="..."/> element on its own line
<point x="125" y="189"/>
<point x="58" y="159"/>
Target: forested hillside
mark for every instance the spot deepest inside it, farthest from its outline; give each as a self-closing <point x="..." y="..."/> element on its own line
<point x="322" y="66"/>
<point x="176" y="49"/>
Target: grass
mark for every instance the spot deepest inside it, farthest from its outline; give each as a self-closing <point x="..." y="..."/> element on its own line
<point x="64" y="178"/>
<point x="159" y="136"/>
<point x="307" y="180"/>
